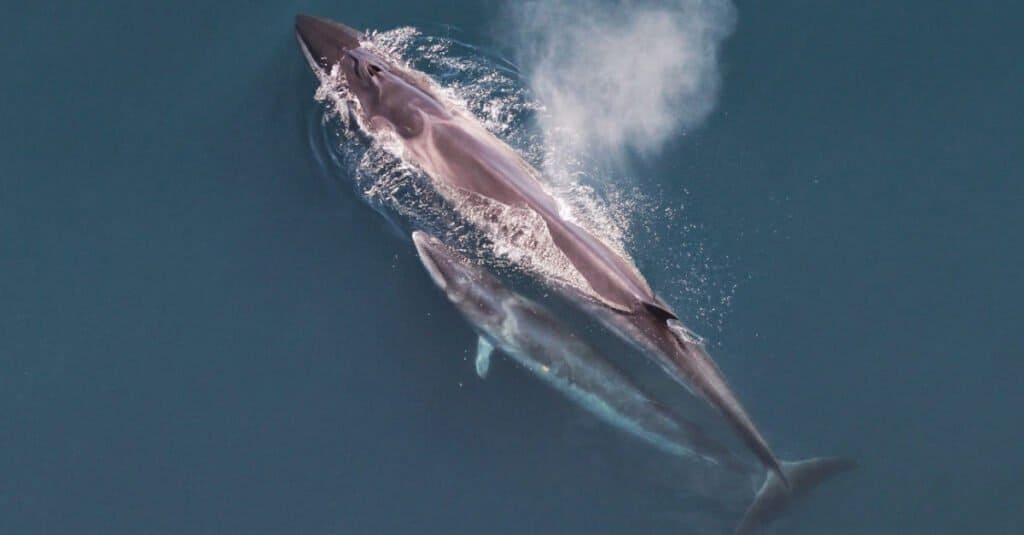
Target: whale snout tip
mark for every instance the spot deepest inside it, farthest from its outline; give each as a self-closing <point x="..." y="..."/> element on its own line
<point x="313" y="28"/>
<point x="429" y="247"/>
<point x="423" y="241"/>
<point x="325" y="41"/>
<point x="433" y="257"/>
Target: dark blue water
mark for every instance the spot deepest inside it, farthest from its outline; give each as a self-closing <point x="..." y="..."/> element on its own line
<point x="201" y="332"/>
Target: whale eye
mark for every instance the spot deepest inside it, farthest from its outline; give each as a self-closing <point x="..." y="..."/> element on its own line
<point x="373" y="69"/>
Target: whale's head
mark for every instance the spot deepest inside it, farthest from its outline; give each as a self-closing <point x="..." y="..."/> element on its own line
<point x="325" y="42"/>
<point x="328" y="44"/>
<point x="387" y="96"/>
<point x="476" y="293"/>
<point x="450" y="271"/>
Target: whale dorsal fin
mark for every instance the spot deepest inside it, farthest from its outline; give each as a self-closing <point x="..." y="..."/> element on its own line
<point x="660" y="312"/>
<point x="483" y="356"/>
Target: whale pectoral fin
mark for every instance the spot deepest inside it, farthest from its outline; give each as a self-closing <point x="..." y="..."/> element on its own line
<point x="483" y="356"/>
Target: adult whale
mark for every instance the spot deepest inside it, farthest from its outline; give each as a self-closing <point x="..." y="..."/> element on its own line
<point x="461" y="156"/>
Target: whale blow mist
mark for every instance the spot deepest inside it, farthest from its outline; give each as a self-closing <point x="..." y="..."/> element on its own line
<point x="621" y="76"/>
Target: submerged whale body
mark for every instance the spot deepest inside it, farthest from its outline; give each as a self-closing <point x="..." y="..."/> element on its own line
<point x="531" y="335"/>
<point x="535" y="339"/>
<point x="465" y="161"/>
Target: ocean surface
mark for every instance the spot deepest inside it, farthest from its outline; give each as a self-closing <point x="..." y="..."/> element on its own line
<point x="211" y="320"/>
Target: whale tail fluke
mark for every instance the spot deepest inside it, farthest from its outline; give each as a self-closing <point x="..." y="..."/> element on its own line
<point x="774" y="497"/>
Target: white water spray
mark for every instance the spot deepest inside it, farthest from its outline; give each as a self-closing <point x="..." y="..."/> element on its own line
<point x="621" y="75"/>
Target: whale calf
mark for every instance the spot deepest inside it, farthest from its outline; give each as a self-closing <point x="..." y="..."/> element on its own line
<point x="461" y="157"/>
<point x="506" y="321"/>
